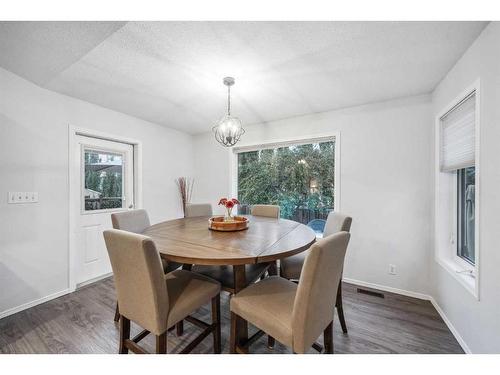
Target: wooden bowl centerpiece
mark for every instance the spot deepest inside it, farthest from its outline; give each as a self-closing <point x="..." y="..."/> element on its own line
<point x="221" y="224"/>
<point x="228" y="223"/>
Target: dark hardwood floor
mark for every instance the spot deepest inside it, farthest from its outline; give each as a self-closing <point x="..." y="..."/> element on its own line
<point x="82" y="322"/>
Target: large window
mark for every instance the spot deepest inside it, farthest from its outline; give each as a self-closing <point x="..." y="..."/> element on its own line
<point x="299" y="178"/>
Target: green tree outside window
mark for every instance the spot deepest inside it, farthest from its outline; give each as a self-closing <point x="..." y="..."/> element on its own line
<point x="298" y="178"/>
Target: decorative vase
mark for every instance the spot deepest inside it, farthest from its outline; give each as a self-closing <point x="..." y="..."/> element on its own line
<point x="228" y="216"/>
<point x="229" y="205"/>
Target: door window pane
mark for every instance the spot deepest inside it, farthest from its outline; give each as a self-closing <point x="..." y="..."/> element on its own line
<point x="298" y="178"/>
<point x="466" y="213"/>
<point x="103" y="180"/>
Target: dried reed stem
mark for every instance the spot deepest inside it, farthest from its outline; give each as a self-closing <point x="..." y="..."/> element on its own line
<point x="185" y="185"/>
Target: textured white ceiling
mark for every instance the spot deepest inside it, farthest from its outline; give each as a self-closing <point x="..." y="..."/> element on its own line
<point x="39" y="51"/>
<point x="171" y="72"/>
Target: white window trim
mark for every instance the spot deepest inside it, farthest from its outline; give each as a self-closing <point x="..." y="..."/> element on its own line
<point x="448" y="258"/>
<point x="274" y="143"/>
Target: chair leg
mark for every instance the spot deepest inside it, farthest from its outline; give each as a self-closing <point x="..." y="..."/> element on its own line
<point x="216" y="321"/>
<point x="124" y="334"/>
<point x="117" y="313"/>
<point x="179" y="328"/>
<point x="161" y="343"/>
<point x="273" y="269"/>
<point x="328" y="338"/>
<point x="233" y="339"/>
<point x="340" y="309"/>
<point x="270" y="342"/>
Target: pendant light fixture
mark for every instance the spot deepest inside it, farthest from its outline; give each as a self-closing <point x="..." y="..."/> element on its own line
<point x="229" y="129"/>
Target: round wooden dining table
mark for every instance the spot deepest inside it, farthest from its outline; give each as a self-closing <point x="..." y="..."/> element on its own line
<point x="190" y="241"/>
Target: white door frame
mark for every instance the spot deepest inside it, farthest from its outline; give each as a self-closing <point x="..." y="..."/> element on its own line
<point x="74" y="207"/>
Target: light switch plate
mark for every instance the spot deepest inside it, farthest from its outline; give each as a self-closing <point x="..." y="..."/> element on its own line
<point x="23" y="197"/>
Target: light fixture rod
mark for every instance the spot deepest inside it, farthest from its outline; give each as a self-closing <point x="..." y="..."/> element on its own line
<point x="229" y="100"/>
<point x="228" y="81"/>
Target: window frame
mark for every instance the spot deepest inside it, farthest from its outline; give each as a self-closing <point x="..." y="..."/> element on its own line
<point x="276" y="143"/>
<point x="446" y="222"/>
<point x="86" y="147"/>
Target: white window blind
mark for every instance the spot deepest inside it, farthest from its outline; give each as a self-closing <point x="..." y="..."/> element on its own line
<point x="457" y="146"/>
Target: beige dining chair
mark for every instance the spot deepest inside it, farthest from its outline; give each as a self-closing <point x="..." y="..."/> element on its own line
<point x="198" y="209"/>
<point x="267" y="210"/>
<point x="295" y="315"/>
<point x="156" y="301"/>
<point x="291" y="267"/>
<point x="136" y="221"/>
<point x="194" y="210"/>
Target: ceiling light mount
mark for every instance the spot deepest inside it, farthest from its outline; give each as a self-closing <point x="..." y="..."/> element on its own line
<point x="228" y="81"/>
<point x="229" y="129"/>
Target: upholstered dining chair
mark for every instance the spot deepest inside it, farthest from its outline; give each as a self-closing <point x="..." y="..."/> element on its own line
<point x="136" y="221"/>
<point x="198" y="209"/>
<point x="267" y="210"/>
<point x="156" y="301"/>
<point x="291" y="267"/>
<point x="194" y="210"/>
<point x="224" y="274"/>
<point x="295" y="315"/>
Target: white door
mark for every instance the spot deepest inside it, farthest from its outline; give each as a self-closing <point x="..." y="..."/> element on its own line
<point x="103" y="175"/>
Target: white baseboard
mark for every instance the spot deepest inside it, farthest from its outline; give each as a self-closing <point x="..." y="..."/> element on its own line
<point x="95" y="279"/>
<point x="422" y="296"/>
<point x="39" y="301"/>
<point x="388" y="289"/>
<point x="453" y="330"/>
<point x="27" y="305"/>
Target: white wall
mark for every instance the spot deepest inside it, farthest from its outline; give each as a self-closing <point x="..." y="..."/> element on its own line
<point x="477" y="322"/>
<point x="34" y="157"/>
<point x="385" y="182"/>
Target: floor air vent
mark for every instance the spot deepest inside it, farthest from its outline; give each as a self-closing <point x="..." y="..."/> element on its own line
<point x="370" y="293"/>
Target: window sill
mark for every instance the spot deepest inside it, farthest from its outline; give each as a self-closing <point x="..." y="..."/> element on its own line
<point x="460" y="274"/>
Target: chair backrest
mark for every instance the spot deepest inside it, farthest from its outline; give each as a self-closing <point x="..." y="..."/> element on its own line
<point x="317" y="290"/>
<point x="139" y="279"/>
<point x="337" y="222"/>
<point x="268" y="210"/>
<point x="135" y="221"/>
<point x="198" y="209"/>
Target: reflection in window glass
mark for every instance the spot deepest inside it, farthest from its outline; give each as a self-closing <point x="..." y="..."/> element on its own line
<point x="298" y="178"/>
<point x="466" y="213"/>
<point x="103" y="180"/>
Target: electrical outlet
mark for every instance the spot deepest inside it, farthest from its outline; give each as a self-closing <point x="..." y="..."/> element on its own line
<point x="392" y="269"/>
<point x="16" y="197"/>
